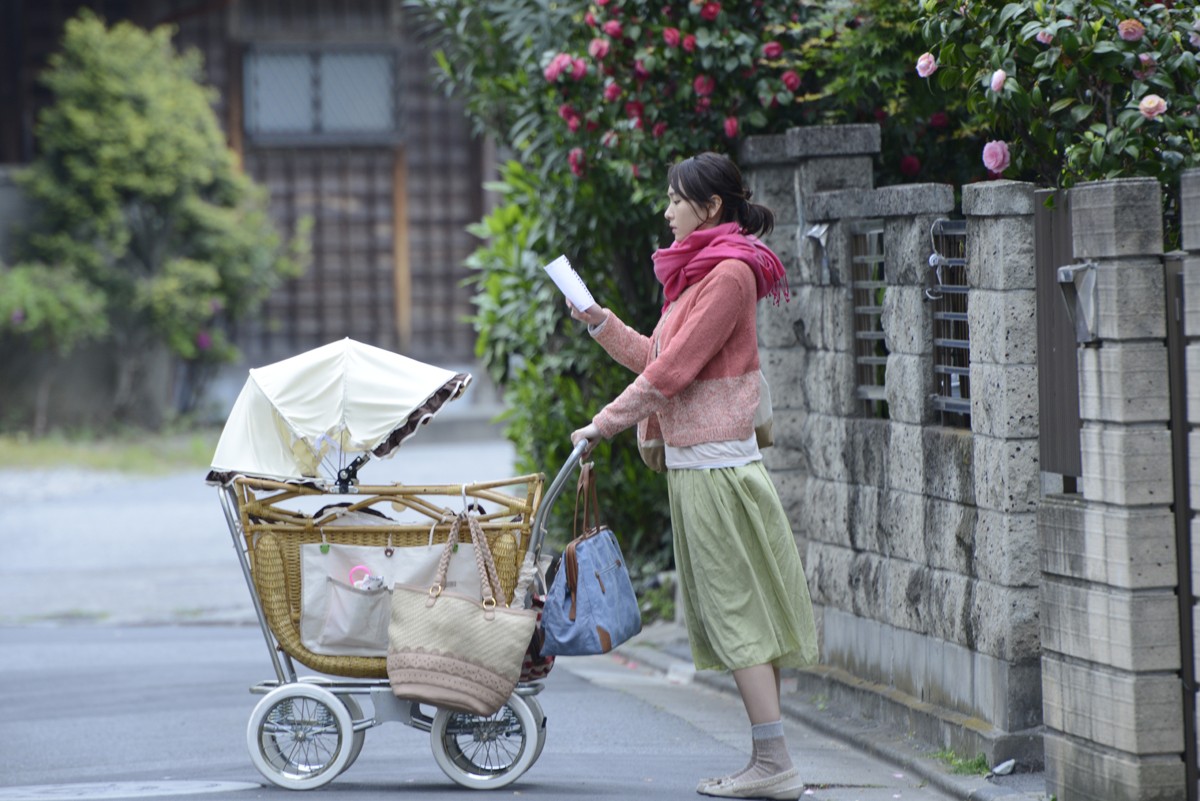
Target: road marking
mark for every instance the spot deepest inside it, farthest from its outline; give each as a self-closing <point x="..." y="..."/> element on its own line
<point x="102" y="791"/>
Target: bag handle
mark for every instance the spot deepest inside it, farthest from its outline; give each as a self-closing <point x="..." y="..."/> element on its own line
<point x="489" y="579"/>
<point x="585" y="497"/>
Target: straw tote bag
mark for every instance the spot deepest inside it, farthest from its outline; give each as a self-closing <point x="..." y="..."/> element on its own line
<point x="452" y="650"/>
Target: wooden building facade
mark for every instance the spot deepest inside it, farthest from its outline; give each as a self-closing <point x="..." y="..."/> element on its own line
<point x="333" y="107"/>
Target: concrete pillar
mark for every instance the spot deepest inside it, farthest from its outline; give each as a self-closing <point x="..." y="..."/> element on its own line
<point x="1110" y="624"/>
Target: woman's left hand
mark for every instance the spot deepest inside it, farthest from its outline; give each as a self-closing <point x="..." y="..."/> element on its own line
<point x="588" y="432"/>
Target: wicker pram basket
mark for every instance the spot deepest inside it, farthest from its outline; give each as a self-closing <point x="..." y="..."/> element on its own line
<point x="273" y="534"/>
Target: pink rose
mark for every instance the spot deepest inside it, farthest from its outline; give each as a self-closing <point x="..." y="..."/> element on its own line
<point x="998" y="79"/>
<point x="772" y="50"/>
<point x="1131" y="30"/>
<point x="996" y="157"/>
<point x="926" y="65"/>
<point x="598" y="48"/>
<point x="689" y="43"/>
<point x="659" y="129"/>
<point x="704" y="85"/>
<point x="612" y="92"/>
<point x="731" y="127"/>
<point x="1045" y="37"/>
<point x="791" y="80"/>
<point x="910" y="166"/>
<point x="613" y="28"/>
<point x="575" y="158"/>
<point x="671" y="36"/>
<point x="1149" y="66"/>
<point x="1152" y="107"/>
<point x="939" y="119"/>
<point x="557" y="66"/>
<point x="710" y="11"/>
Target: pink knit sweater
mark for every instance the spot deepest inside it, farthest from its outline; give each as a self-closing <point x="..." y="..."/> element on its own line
<point x="703" y="385"/>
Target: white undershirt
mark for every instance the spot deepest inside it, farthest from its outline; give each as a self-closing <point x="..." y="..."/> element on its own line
<point x="708" y="455"/>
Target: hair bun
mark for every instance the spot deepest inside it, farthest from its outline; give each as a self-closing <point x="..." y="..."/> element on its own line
<point x="747" y="193"/>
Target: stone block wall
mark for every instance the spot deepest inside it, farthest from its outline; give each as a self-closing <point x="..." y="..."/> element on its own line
<point x="920" y="540"/>
<point x="1110" y="616"/>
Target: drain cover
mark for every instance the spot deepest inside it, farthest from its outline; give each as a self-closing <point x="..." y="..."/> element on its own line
<point x="102" y="791"/>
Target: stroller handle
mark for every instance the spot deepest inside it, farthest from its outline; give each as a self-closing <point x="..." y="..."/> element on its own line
<point x="556" y="489"/>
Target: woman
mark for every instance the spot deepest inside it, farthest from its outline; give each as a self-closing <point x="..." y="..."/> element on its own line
<point x="745" y="599"/>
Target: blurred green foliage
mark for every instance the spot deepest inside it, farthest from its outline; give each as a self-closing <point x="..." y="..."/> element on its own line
<point x="146" y="232"/>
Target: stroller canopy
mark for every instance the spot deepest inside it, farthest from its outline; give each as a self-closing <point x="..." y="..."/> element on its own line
<point x="339" y="400"/>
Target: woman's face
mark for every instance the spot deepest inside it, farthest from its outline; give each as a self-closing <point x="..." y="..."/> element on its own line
<point x="685" y="216"/>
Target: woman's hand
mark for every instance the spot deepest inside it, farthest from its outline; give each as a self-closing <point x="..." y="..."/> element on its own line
<point x="588" y="432"/>
<point x="592" y="315"/>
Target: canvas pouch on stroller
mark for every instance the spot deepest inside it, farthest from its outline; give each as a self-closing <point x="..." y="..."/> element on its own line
<point x="346" y="597"/>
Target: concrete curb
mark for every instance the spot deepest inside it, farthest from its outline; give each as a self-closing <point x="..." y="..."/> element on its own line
<point x="656" y="652"/>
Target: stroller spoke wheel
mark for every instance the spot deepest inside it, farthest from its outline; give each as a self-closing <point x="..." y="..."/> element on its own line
<point x="485" y="753"/>
<point x="301" y="736"/>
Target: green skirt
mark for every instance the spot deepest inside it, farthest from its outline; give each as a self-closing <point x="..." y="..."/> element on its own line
<point x="745" y="598"/>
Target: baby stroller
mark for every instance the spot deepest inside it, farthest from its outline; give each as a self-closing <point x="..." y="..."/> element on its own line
<point x="287" y="467"/>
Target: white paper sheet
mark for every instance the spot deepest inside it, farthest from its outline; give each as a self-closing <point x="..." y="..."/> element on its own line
<point x="569" y="282"/>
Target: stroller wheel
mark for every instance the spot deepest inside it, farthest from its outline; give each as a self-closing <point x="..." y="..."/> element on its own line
<point x="484" y="753"/>
<point x="301" y="736"/>
<point x="359" y="737"/>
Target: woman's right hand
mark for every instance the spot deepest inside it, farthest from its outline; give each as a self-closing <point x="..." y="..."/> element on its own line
<point x="592" y="315"/>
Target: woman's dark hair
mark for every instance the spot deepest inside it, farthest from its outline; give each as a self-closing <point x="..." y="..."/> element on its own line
<point x="698" y="178"/>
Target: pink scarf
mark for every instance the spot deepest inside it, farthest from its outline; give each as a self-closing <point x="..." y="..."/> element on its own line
<point x="684" y="263"/>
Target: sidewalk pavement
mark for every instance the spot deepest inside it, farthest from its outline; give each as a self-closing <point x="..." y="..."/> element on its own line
<point x="664" y="647"/>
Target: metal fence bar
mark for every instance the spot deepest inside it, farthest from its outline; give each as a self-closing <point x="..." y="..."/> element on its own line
<point x="868" y="285"/>
<point x="951" y="331"/>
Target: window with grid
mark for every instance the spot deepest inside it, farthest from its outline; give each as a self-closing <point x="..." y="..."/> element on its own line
<point x="870" y="350"/>
<point x="951" y="333"/>
<point x="297" y="96"/>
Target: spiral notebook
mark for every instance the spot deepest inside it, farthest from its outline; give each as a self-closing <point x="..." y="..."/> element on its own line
<point x="569" y="282"/>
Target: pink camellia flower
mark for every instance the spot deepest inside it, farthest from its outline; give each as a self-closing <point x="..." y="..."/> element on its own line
<point x="610" y="139"/>
<point x="710" y="11"/>
<point x="570" y="116"/>
<point x="634" y="110"/>
<point x="1149" y="66"/>
<point x="689" y="43"/>
<point x="639" y="70"/>
<point x="575" y="158"/>
<point x="578" y="69"/>
<point x="1152" y="107"/>
<point x="1131" y="30"/>
<point x="772" y="50"/>
<point x="910" y="166"/>
<point x="659" y="129"/>
<point x="1045" y="37"/>
<point x="996" y="156"/>
<point x="939" y="119"/>
<point x="926" y="65"/>
<point x="703" y="104"/>
<point x="791" y="80"/>
<point x="557" y="66"/>
<point x="671" y="36"/>
<point x="612" y="92"/>
<point x="203" y="340"/>
<point x="731" y="127"/>
<point x="603" y="2"/>
<point x="704" y="85"/>
<point x="590" y="19"/>
<point x="613" y="28"/>
<point x="998" y="79"/>
<point x="598" y="48"/>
